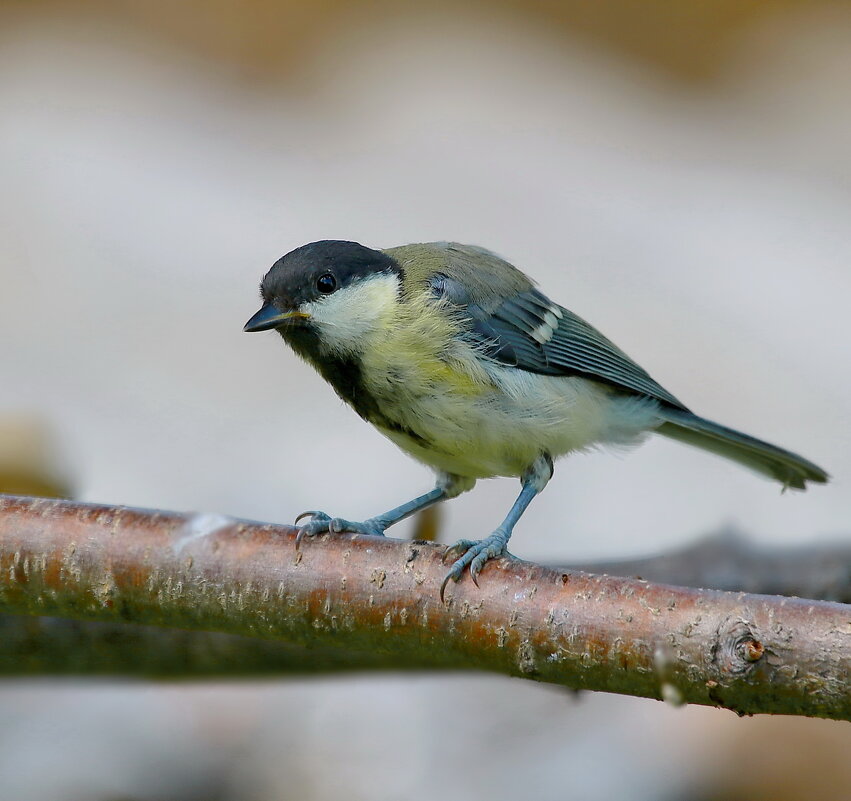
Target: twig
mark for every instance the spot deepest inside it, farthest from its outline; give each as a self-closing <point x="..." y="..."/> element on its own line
<point x="748" y="653"/>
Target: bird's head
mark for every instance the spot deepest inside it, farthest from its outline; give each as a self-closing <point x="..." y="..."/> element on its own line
<point x="332" y="290"/>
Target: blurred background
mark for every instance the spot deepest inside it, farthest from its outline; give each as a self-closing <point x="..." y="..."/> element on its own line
<point x="677" y="174"/>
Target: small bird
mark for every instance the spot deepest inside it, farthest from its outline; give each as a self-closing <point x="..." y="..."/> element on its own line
<point x="454" y="355"/>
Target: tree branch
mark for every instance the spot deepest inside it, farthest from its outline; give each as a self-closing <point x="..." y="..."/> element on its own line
<point x="58" y="646"/>
<point x="368" y="595"/>
<point x="727" y="561"/>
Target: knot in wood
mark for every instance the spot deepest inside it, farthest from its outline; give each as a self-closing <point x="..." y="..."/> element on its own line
<point x="752" y="650"/>
<point x="736" y="648"/>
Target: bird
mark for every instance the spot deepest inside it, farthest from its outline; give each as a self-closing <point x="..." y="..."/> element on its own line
<point x="454" y="355"/>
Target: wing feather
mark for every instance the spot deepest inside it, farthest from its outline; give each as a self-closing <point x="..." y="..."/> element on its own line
<point x="532" y="333"/>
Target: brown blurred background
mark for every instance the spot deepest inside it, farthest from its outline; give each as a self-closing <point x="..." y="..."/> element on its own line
<point x="677" y="173"/>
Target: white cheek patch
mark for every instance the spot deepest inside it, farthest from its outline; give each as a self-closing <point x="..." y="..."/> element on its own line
<point x="353" y="313"/>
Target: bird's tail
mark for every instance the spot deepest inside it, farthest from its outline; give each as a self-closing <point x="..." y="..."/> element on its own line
<point x="784" y="466"/>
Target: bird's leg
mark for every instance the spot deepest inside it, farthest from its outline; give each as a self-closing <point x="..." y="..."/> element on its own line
<point x="448" y="486"/>
<point x="476" y="552"/>
<point x="321" y="522"/>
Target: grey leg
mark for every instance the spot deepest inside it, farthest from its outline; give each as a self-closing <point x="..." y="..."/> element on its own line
<point x="448" y="486"/>
<point x="477" y="552"/>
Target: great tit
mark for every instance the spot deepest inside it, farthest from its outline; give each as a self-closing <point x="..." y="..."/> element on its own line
<point x="454" y="355"/>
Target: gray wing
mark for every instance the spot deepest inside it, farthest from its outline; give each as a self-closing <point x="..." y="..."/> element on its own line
<point x="530" y="332"/>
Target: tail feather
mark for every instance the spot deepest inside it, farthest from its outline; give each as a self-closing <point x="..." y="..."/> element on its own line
<point x="784" y="466"/>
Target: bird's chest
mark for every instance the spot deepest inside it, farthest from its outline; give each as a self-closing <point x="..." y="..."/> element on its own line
<point x="425" y="396"/>
<point x="412" y="396"/>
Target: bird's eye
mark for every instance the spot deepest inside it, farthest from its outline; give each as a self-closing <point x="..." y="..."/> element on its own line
<point x="326" y="283"/>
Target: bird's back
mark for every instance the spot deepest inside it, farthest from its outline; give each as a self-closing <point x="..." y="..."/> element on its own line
<point x="466" y="266"/>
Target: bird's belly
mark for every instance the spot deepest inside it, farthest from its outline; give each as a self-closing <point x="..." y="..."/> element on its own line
<point x="502" y="427"/>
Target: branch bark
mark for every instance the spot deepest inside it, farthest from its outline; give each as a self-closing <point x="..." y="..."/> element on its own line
<point x="366" y="595"/>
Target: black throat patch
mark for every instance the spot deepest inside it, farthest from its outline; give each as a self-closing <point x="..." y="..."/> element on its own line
<point x="346" y="376"/>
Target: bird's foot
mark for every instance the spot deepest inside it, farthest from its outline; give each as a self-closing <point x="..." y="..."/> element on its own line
<point x="475" y="554"/>
<point x="321" y="523"/>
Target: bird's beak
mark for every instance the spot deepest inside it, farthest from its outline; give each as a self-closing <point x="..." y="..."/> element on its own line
<point x="269" y="317"/>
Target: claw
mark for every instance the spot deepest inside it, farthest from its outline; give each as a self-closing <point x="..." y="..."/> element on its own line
<point x="322" y="523"/>
<point x="302" y="533"/>
<point x="319" y="522"/>
<point x="443" y="585"/>
<point x="476" y="554"/>
<point x="461" y="545"/>
<point x="308" y="513"/>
